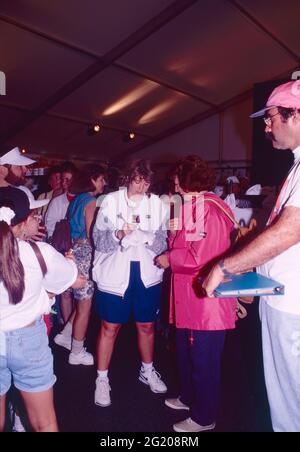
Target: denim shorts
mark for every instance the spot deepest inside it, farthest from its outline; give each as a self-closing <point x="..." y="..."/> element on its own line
<point x="26" y="359"/>
<point x="138" y="301"/>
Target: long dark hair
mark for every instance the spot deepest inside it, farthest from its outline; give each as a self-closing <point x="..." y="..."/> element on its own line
<point x="11" y="269"/>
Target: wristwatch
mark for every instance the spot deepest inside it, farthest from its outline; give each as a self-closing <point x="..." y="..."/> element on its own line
<point x="225" y="272"/>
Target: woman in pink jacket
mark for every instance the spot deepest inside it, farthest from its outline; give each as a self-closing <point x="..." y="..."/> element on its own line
<point x="198" y="238"/>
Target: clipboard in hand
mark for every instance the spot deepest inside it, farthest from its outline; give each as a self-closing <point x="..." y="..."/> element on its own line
<point x="248" y="285"/>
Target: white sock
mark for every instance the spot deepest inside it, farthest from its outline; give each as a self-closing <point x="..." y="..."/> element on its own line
<point x="147" y="367"/>
<point x="77" y="346"/>
<point x="103" y="374"/>
<point x="67" y="331"/>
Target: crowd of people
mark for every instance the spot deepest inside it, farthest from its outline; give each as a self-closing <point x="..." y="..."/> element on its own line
<point x="122" y="242"/>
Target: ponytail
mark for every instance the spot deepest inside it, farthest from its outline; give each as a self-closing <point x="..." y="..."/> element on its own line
<point x="11" y="269"/>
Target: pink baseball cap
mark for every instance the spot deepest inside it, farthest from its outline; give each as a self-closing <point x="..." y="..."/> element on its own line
<point x="286" y="95"/>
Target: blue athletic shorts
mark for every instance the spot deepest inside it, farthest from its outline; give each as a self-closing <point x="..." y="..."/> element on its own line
<point x="141" y="303"/>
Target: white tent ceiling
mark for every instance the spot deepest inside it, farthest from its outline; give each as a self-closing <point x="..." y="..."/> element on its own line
<point x="154" y="67"/>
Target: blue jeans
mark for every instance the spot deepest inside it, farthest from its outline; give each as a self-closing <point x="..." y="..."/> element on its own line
<point x="281" y="353"/>
<point x="199" y="366"/>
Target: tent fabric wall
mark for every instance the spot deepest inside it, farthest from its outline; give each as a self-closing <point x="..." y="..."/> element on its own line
<point x="151" y="70"/>
<point x="201" y="138"/>
<point x="222" y="138"/>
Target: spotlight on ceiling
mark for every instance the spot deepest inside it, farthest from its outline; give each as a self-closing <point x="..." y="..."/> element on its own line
<point x="93" y="129"/>
<point x="128" y="136"/>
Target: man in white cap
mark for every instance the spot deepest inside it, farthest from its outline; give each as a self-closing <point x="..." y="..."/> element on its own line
<point x="276" y="254"/>
<point x="12" y="172"/>
<point x="13" y="168"/>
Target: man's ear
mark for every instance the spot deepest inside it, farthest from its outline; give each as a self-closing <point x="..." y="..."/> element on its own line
<point x="296" y="116"/>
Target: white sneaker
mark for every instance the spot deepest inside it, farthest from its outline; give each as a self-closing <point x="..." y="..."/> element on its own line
<point x="176" y="404"/>
<point x="190" y="426"/>
<point x="18" y="426"/>
<point x="63" y="341"/>
<point x="83" y="357"/>
<point x="102" y="393"/>
<point x="153" y="379"/>
<point x="15" y="419"/>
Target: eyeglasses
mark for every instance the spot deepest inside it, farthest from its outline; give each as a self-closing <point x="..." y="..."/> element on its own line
<point x="268" y="119"/>
<point x="139" y="179"/>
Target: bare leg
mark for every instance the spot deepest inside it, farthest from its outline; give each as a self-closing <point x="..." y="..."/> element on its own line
<point x="2" y="412"/>
<point x="81" y="320"/>
<point x="66" y="306"/>
<point x="40" y="410"/>
<point x="145" y="337"/>
<point x="72" y="317"/>
<point x="106" y="342"/>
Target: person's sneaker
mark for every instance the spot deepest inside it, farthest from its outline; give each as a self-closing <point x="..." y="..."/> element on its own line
<point x="102" y="393"/>
<point x="153" y="379"/>
<point x="176" y="404"/>
<point x="15" y="419"/>
<point x="83" y="357"/>
<point x="190" y="426"/>
<point x="63" y="341"/>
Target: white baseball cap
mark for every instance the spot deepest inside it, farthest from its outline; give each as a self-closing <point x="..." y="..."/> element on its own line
<point x="254" y="190"/>
<point x="14" y="157"/>
<point x="232" y="179"/>
<point x="34" y="204"/>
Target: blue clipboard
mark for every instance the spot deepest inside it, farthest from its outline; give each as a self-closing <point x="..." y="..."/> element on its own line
<point x="248" y="285"/>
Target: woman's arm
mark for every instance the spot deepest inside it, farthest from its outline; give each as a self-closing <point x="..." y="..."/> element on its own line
<point x="89" y="213"/>
<point x="159" y="244"/>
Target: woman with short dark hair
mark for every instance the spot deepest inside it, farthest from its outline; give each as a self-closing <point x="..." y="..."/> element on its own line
<point x="198" y="238"/>
<point x="89" y="184"/>
<point x="128" y="235"/>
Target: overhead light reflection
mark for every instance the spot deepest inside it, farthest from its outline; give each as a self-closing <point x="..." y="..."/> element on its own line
<point x="136" y="94"/>
<point x="155" y="112"/>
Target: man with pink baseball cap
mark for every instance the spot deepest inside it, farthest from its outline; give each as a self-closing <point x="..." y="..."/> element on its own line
<point x="286" y="96"/>
<point x="276" y="254"/>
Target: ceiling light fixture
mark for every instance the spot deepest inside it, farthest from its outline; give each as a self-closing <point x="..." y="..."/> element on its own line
<point x="128" y="136"/>
<point x="93" y="129"/>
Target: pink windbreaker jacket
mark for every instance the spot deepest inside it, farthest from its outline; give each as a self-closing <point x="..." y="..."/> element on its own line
<point x="190" y="259"/>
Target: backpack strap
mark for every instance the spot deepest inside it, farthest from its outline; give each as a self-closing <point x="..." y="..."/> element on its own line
<point x="39" y="257"/>
<point x="224" y="211"/>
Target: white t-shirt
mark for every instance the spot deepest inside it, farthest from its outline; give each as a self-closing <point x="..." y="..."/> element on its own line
<point x="61" y="274"/>
<point x="285" y="268"/>
<point x="56" y="211"/>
